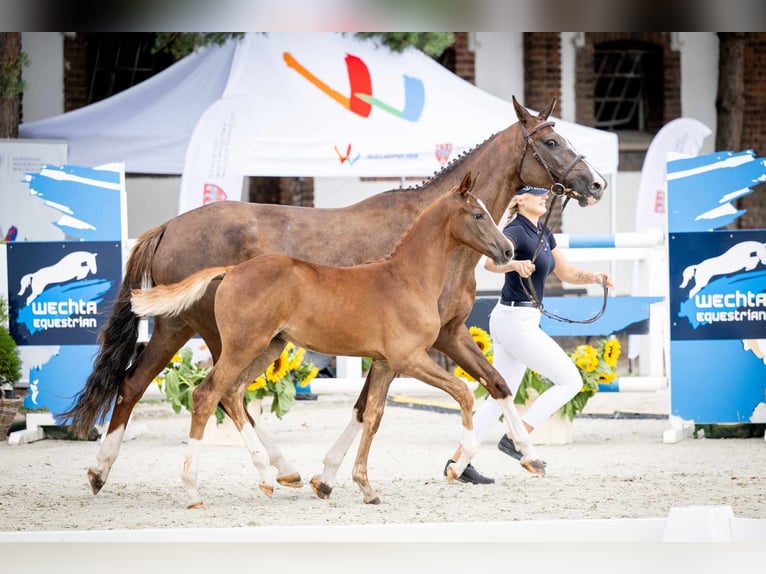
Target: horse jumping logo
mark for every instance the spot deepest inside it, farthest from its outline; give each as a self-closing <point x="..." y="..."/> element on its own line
<point x="76" y="265"/>
<point x="743" y="256"/>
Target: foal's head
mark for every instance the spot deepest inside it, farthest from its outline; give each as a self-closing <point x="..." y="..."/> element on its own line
<point x="548" y="160"/>
<point x="473" y="225"/>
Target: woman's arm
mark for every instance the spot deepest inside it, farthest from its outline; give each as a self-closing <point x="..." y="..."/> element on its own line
<point x="567" y="272"/>
<point x="524" y="268"/>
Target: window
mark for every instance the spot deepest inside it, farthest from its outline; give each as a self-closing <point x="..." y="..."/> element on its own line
<point x="117" y="62"/>
<point x="629" y="91"/>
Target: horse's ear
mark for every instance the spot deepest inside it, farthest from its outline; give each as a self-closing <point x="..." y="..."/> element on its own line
<point x="466" y="185"/>
<point x="521" y="112"/>
<point x="547" y="111"/>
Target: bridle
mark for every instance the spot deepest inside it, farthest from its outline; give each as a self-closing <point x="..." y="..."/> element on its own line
<point x="557" y="189"/>
<point x="558" y="186"/>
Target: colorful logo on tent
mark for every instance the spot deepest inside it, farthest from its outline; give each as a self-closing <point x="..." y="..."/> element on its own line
<point x="346" y="158"/>
<point x="212" y="193"/>
<point x="360" y="100"/>
<point x="443" y="152"/>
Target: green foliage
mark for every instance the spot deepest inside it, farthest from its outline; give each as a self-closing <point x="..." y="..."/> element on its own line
<point x="10" y="362"/>
<point x="11" y="83"/>
<point x="181" y="44"/>
<point x="182" y="375"/>
<point x="432" y="43"/>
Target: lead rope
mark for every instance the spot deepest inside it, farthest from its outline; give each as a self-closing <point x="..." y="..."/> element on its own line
<point x="529" y="289"/>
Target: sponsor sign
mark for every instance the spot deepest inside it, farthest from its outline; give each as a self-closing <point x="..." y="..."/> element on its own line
<point x="61" y="293"/>
<point x="717" y="291"/>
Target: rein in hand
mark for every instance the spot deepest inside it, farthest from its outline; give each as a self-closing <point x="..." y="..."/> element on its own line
<point x="557" y="190"/>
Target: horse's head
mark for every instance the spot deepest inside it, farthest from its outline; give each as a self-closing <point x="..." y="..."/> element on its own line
<point x="548" y="160"/>
<point x="474" y="226"/>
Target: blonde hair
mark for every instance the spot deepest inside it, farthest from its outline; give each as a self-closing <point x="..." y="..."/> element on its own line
<point x="513" y="208"/>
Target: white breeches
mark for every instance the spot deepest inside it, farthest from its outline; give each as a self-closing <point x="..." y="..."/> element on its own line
<point x="520" y="343"/>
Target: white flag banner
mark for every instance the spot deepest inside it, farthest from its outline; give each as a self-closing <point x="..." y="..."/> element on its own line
<point x="680" y="136"/>
<point x="683" y="136"/>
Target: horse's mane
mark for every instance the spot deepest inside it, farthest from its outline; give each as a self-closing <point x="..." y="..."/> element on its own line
<point x="436" y="178"/>
<point x="447" y="169"/>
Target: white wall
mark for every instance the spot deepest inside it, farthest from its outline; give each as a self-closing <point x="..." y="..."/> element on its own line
<point x="499" y="64"/>
<point x="151" y="201"/>
<point x="44" y="96"/>
<point x="699" y="80"/>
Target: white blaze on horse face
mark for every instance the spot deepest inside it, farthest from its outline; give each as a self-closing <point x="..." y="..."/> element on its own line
<point x="595" y="176"/>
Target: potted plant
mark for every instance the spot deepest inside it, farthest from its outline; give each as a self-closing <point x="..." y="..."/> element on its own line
<point x="291" y="369"/>
<point x="10" y="373"/>
<point x="597" y="365"/>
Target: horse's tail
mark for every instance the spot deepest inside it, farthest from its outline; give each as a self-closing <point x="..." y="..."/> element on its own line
<point x="687" y="275"/>
<point x="117" y="342"/>
<point x="174" y="299"/>
<point x="25" y="283"/>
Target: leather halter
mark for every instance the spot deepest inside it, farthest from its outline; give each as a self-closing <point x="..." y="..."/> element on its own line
<point x="557" y="189"/>
<point x="557" y="184"/>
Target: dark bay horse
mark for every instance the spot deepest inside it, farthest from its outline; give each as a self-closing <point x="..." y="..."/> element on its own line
<point x="527" y="152"/>
<point x="275" y="296"/>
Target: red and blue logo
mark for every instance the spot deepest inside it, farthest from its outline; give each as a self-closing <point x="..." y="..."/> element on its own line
<point x="360" y="99"/>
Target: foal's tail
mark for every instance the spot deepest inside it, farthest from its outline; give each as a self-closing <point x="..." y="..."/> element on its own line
<point x="117" y="340"/>
<point x="174" y="299"/>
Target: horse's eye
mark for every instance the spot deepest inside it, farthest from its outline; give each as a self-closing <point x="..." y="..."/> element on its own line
<point x="551" y="143"/>
<point x="478" y="215"/>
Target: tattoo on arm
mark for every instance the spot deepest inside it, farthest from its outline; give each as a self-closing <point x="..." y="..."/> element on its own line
<point x="583" y="276"/>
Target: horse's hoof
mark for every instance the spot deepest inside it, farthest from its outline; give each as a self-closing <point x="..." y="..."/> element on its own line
<point x="267" y="489"/>
<point x="321" y="489"/>
<point x="195" y="505"/>
<point x="96" y="484"/>
<point x="292" y="480"/>
<point x="375" y="500"/>
<point x="536" y="467"/>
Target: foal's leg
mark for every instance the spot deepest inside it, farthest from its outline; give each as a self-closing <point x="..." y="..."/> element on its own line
<point x="377" y="391"/>
<point x="233" y="403"/>
<point x="456" y="342"/>
<point x="379" y="377"/>
<point x="167" y="337"/>
<point x="205" y="398"/>
<point x="423" y="367"/>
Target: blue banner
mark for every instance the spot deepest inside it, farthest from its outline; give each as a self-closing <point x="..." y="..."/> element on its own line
<point x="718" y="285"/>
<point x="61" y="293"/>
<point x="717" y="290"/>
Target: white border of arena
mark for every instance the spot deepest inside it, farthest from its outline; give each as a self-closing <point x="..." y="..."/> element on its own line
<point x="683" y="524"/>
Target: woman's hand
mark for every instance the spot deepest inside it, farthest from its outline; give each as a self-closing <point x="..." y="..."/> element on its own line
<point x="603" y="278"/>
<point x="524" y="268"/>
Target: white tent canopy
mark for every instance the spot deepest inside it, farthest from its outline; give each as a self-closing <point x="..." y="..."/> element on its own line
<point x="148" y="126"/>
<point x="295" y="104"/>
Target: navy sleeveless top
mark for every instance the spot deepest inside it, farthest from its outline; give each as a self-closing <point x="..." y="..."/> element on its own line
<point x="524" y="234"/>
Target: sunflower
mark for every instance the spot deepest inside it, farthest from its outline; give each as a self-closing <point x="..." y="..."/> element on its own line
<point x="257" y="384"/>
<point x="612" y="352"/>
<point x="586" y="358"/>
<point x="462" y="374"/>
<point x="482" y="339"/>
<point x="297" y="359"/>
<point x="313" y="372"/>
<point x="279" y="368"/>
<point x="605" y="378"/>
